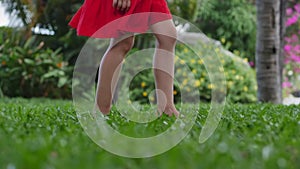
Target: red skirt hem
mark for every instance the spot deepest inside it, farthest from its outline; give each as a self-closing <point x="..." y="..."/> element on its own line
<point x="94" y="22"/>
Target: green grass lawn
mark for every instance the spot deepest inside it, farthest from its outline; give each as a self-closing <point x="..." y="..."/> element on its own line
<point x="44" y="133"/>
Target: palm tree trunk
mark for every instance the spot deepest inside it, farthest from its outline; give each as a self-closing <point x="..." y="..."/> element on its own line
<point x="283" y="7"/>
<point x="268" y="51"/>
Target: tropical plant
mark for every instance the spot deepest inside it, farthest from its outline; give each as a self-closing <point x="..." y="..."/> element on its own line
<point x="28" y="69"/>
<point x="48" y="20"/>
<point x="231" y="22"/>
<point x="187" y="9"/>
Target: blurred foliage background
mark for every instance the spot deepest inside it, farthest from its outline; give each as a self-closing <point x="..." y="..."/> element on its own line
<point x="233" y="23"/>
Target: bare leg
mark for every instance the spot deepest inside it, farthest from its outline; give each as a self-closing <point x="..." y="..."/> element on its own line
<point x="109" y="69"/>
<point x="163" y="64"/>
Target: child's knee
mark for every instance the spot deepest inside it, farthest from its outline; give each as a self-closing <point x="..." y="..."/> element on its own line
<point x="167" y="41"/>
<point x="125" y="45"/>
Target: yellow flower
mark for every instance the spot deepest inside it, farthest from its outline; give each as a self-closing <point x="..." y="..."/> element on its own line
<point x="188" y="89"/>
<point x="202" y="79"/>
<point x="245" y="60"/>
<point x="174" y="92"/>
<point x="151" y="98"/>
<point x="237" y="77"/>
<point x="192" y="61"/>
<point x="194" y="71"/>
<point x="200" y="61"/>
<point x="185" y="81"/>
<point x="185" y="50"/>
<point x="197" y="83"/>
<point x="145" y="94"/>
<point x="129" y="101"/>
<point x="143" y="84"/>
<point x="230" y="83"/>
<point x="245" y="88"/>
<point x="236" y="52"/>
<point x="176" y="58"/>
<point x="233" y="71"/>
<point x="211" y="86"/>
<point x="221" y="69"/>
<point x="223" y="61"/>
<point x="223" y="40"/>
<point x="217" y="50"/>
<point x="182" y="62"/>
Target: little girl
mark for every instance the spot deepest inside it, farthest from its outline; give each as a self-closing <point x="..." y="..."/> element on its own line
<point x="94" y="14"/>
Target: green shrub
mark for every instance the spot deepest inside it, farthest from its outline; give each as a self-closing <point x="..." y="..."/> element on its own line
<point x="231" y="22"/>
<point x="240" y="78"/>
<point x="28" y="69"/>
<point x="187" y="9"/>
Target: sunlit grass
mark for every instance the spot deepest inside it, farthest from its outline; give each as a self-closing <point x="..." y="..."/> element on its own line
<point x="44" y="133"/>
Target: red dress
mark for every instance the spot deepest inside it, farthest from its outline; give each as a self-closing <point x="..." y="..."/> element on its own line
<point x="98" y="18"/>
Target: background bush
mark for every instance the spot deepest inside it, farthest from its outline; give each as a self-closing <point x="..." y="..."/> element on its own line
<point x="240" y="78"/>
<point x="28" y="69"/>
<point x="231" y="22"/>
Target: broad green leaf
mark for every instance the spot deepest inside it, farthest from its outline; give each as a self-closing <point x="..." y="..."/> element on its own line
<point x="53" y="73"/>
<point x="62" y="81"/>
<point x="29" y="61"/>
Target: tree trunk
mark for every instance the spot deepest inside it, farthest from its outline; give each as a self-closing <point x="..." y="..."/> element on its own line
<point x="268" y="51"/>
<point x="283" y="7"/>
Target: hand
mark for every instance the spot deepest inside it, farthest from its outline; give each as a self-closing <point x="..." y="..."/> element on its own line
<point x="122" y="5"/>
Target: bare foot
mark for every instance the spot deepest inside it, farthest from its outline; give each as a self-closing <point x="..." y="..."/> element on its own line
<point x="105" y="110"/>
<point x="169" y="110"/>
<point x="103" y="105"/>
